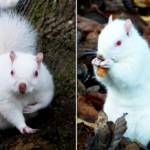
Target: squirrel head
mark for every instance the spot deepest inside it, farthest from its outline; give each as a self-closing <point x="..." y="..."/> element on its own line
<point x="115" y="40"/>
<point x="25" y="71"/>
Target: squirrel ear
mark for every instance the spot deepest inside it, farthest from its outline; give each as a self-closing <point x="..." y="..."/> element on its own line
<point x="39" y="58"/>
<point x="128" y="26"/>
<point x="110" y="20"/>
<point x="12" y="56"/>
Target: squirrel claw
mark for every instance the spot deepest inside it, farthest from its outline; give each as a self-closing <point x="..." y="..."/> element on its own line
<point x="106" y="63"/>
<point x="27" y="129"/>
<point x="96" y="62"/>
<point x="30" y="109"/>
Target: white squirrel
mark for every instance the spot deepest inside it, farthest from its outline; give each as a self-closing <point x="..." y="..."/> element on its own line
<point x="126" y="57"/>
<point x="26" y="84"/>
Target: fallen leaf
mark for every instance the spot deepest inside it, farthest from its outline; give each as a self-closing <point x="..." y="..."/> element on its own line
<point x="125" y="141"/>
<point x="142" y="3"/>
<point x="120" y="129"/>
<point x="146" y="19"/>
<point x="100" y="122"/>
<point x="88" y="25"/>
<point x="93" y="89"/>
<point x="85" y="122"/>
<point x="148" y="146"/>
<point x="142" y="147"/>
<point x="93" y="143"/>
<point x="132" y="146"/>
<point x="86" y="110"/>
<point x="111" y="127"/>
<point x="129" y="4"/>
<point x="97" y="99"/>
<point x="82" y="137"/>
<point x="113" y="6"/>
<point x="92" y="37"/>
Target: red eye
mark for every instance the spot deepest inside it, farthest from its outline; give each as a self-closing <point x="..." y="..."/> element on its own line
<point x="12" y="73"/>
<point x="118" y="43"/>
<point x="36" y="73"/>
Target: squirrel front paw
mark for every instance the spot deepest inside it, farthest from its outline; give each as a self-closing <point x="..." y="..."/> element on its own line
<point x="27" y="129"/>
<point x="108" y="63"/>
<point x="96" y="62"/>
<point x="30" y="108"/>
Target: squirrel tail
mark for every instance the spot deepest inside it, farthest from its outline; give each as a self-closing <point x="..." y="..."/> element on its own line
<point x="6" y="4"/>
<point x="16" y="33"/>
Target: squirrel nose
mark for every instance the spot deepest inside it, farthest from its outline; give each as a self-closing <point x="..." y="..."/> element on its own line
<point x="100" y="57"/>
<point x="22" y="88"/>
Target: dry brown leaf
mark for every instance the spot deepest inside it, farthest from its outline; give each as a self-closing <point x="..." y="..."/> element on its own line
<point x="132" y="146"/>
<point x="111" y="126"/>
<point x="120" y="129"/>
<point x="92" y="37"/>
<point x="125" y="141"/>
<point x="85" y="122"/>
<point x="101" y="72"/>
<point x="146" y="19"/>
<point x="97" y="99"/>
<point x="139" y="144"/>
<point x="142" y="3"/>
<point x="115" y="16"/>
<point x="86" y="110"/>
<point x="88" y="25"/>
<point x="82" y="137"/>
<point x="114" y="5"/>
<point x="100" y="122"/>
<point x="101" y="128"/>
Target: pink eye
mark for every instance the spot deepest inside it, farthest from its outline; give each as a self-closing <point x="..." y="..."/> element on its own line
<point x="36" y="73"/>
<point x="12" y="73"/>
<point x="118" y="43"/>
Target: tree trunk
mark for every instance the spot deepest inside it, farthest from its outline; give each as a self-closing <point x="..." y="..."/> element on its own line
<point x="55" y="22"/>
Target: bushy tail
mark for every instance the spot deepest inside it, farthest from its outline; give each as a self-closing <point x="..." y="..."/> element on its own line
<point x="16" y="34"/>
<point x="6" y="4"/>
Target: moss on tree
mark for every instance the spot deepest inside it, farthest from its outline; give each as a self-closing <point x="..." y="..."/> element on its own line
<point x="56" y="124"/>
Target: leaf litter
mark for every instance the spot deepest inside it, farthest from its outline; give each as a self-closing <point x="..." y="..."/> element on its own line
<point x="95" y="131"/>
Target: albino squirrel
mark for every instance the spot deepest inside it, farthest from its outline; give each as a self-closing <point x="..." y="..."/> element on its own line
<point x="26" y="84"/>
<point x="126" y="57"/>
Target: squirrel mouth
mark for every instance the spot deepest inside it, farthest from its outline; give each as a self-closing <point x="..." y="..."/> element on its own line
<point x="22" y="92"/>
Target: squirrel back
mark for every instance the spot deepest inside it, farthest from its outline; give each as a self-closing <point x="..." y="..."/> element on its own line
<point x="16" y="33"/>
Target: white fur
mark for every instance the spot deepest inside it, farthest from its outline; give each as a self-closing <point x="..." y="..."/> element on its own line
<point x="127" y="79"/>
<point x="17" y="35"/>
<point x="5" y="4"/>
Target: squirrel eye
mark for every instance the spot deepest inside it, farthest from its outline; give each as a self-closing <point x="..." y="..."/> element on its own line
<point x="12" y="73"/>
<point x="36" y="73"/>
<point x="118" y="43"/>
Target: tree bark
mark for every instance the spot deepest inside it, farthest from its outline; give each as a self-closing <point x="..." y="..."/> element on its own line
<point x="55" y="23"/>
